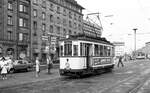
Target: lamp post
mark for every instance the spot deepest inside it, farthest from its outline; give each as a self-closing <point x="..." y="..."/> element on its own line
<point x="135" y="40"/>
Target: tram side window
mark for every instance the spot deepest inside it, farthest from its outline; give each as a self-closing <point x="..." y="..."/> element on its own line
<point x="113" y="51"/>
<point x="101" y="50"/>
<point x="96" y="50"/>
<point x="108" y="50"/>
<point x="68" y="50"/>
<point x="105" y="50"/>
<point x="75" y="48"/>
<point x="61" y="50"/>
<point x="82" y="49"/>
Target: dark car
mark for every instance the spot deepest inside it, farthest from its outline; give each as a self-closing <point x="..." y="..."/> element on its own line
<point x="21" y="65"/>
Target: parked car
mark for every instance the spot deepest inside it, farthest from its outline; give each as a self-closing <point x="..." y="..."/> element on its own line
<point x="21" y="65"/>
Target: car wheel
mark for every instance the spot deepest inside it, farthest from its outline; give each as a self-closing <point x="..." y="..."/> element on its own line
<point x="12" y="70"/>
<point x="28" y="69"/>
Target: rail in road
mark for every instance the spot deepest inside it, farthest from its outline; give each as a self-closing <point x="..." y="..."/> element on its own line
<point x="129" y="85"/>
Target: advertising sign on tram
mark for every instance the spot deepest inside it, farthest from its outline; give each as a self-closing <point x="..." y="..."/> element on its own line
<point x="100" y="61"/>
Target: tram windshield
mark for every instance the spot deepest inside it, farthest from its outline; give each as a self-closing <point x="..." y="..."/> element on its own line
<point x="68" y="48"/>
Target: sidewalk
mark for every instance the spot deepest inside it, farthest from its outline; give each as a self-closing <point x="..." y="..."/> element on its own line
<point x="28" y="77"/>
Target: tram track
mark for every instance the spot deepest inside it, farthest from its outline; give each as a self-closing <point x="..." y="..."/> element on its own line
<point x="132" y="84"/>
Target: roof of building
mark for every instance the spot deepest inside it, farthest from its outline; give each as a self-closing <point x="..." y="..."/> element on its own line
<point x="74" y="3"/>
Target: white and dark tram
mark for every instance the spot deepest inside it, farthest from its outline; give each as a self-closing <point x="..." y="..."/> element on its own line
<point x="82" y="54"/>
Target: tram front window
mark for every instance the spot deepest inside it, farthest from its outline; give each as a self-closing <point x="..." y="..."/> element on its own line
<point x="75" y="48"/>
<point x="68" y="49"/>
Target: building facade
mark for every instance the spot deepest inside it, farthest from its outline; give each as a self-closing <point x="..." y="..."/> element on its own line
<point x="144" y="50"/>
<point x="52" y="20"/>
<point x="119" y="48"/>
<point x="15" y="27"/>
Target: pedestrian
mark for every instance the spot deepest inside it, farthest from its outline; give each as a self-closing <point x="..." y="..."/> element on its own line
<point x="120" y="61"/>
<point x="37" y="67"/>
<point x="49" y="64"/>
<point x="4" y="69"/>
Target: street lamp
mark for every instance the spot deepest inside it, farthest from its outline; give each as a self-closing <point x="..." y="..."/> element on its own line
<point x="135" y="40"/>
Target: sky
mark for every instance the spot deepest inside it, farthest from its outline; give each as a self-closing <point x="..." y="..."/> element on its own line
<point x="119" y="18"/>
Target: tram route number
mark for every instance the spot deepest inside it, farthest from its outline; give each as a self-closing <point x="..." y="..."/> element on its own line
<point x="100" y="61"/>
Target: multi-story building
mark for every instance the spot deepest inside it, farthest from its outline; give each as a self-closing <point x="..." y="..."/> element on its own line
<point x="52" y="20"/>
<point x="92" y="29"/>
<point x="119" y="48"/>
<point x="15" y="28"/>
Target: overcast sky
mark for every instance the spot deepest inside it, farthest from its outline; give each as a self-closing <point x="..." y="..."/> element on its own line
<point x="127" y="15"/>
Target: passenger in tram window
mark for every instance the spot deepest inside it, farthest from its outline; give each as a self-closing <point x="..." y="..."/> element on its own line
<point x="120" y="61"/>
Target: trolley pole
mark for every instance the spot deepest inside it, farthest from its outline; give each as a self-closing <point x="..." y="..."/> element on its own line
<point x="135" y="41"/>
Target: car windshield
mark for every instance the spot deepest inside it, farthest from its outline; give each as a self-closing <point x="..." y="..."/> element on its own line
<point x="20" y="62"/>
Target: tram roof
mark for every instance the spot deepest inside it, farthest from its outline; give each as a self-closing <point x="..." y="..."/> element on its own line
<point x="87" y="38"/>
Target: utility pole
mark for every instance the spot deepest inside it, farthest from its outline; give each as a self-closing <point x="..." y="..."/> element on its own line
<point x="135" y="40"/>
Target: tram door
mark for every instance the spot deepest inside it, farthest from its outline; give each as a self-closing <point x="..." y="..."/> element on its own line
<point x="88" y="54"/>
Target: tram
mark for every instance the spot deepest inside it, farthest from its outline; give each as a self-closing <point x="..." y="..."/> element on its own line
<point x="82" y="54"/>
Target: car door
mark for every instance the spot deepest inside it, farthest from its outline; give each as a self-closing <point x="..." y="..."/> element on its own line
<point x="20" y="65"/>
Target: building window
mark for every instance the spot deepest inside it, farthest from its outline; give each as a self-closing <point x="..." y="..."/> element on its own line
<point x="64" y="32"/>
<point x="75" y="17"/>
<point x="10" y="20"/>
<point x="64" y="22"/>
<point x="43" y="27"/>
<point x="23" y="8"/>
<point x="51" y="7"/>
<point x="70" y="32"/>
<point x="9" y="35"/>
<point x="10" y="5"/>
<point x="35" y="13"/>
<point x="58" y="9"/>
<point x="75" y="26"/>
<point x="70" y="15"/>
<point x="25" y="37"/>
<point x="51" y="18"/>
<point x="20" y="36"/>
<point x="43" y="3"/>
<point x="79" y="19"/>
<point x="23" y="22"/>
<point x="58" y="30"/>
<point x="51" y="29"/>
<point x="58" y="20"/>
<point x="43" y="16"/>
<point x="64" y="12"/>
<point x="34" y="25"/>
<point x="70" y="24"/>
<point x="79" y="27"/>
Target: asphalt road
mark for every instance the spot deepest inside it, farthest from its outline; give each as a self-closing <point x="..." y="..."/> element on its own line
<point x="133" y="78"/>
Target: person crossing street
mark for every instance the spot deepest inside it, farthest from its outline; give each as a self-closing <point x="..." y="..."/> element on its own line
<point x="120" y="61"/>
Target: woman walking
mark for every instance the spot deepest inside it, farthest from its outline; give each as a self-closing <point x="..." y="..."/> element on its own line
<point x="4" y="69"/>
<point x="37" y="66"/>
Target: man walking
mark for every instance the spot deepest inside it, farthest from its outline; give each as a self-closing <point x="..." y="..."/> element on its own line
<point x="120" y="62"/>
<point x="49" y="64"/>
